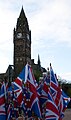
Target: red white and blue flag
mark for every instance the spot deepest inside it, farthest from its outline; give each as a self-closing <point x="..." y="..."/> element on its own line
<point x="52" y="112"/>
<point x="56" y="92"/>
<point x="16" y="89"/>
<point x="2" y="103"/>
<point x="53" y="83"/>
<point x="43" y="91"/>
<point x="66" y="100"/>
<point x="54" y="87"/>
<point x="61" y="100"/>
<point x="28" y="78"/>
<point x="9" y="112"/>
<point x="34" y="101"/>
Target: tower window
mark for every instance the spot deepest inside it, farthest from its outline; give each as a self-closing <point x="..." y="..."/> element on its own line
<point x="28" y="36"/>
<point x="20" y="59"/>
<point x="17" y="59"/>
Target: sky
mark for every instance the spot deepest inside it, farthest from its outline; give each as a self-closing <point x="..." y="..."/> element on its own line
<point x="50" y="25"/>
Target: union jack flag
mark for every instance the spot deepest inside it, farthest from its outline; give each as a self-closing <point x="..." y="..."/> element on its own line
<point x="54" y="87"/>
<point x="34" y="101"/>
<point x="63" y="104"/>
<point x="52" y="112"/>
<point x="16" y="89"/>
<point x="27" y="76"/>
<point x="2" y="103"/>
<point x="9" y="112"/>
<point x="24" y="74"/>
<point x="66" y="100"/>
<point x="42" y="91"/>
<point x="53" y="83"/>
<point x="56" y="92"/>
<point x="26" y="103"/>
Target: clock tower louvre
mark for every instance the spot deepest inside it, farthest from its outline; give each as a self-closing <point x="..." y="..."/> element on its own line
<point x="22" y="43"/>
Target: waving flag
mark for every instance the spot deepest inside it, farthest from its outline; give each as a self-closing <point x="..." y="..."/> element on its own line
<point x="56" y="92"/>
<point x="16" y="87"/>
<point x="2" y="117"/>
<point x="51" y="109"/>
<point x="60" y="99"/>
<point x="2" y="94"/>
<point x="34" y="101"/>
<point x="2" y="103"/>
<point x="63" y="103"/>
<point x="26" y="103"/>
<point x="43" y="91"/>
<point x="24" y="73"/>
<point x="53" y="83"/>
<point x="66" y="100"/>
<point x="54" y="87"/>
<point x="19" y="83"/>
<point x="27" y="76"/>
<point x="9" y="112"/>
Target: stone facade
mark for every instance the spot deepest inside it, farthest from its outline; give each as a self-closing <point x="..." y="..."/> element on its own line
<point x="22" y="49"/>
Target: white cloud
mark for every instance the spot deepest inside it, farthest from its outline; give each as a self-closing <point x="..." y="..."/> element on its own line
<point x="66" y="76"/>
<point x="52" y="22"/>
<point x="4" y="62"/>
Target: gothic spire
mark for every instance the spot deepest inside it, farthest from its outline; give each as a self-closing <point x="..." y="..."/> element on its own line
<point x="39" y="63"/>
<point x="22" y="13"/>
<point x="22" y="21"/>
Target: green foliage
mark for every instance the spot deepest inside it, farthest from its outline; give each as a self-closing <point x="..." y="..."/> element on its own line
<point x="67" y="89"/>
<point x="69" y="92"/>
<point x="37" y="74"/>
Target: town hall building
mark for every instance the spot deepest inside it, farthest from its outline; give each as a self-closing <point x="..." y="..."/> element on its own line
<point x="22" y="50"/>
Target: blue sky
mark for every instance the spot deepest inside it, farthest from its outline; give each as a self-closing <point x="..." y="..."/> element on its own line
<point x="50" y="25"/>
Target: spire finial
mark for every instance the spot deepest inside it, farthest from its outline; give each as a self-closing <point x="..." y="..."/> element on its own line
<point x="48" y="68"/>
<point x="22" y="13"/>
<point x="50" y="64"/>
<point x="22" y="6"/>
<point x="39" y="63"/>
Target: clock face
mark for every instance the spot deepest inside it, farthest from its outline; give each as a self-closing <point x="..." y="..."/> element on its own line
<point x="19" y="35"/>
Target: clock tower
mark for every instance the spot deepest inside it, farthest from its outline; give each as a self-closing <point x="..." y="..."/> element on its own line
<point x="22" y="43"/>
